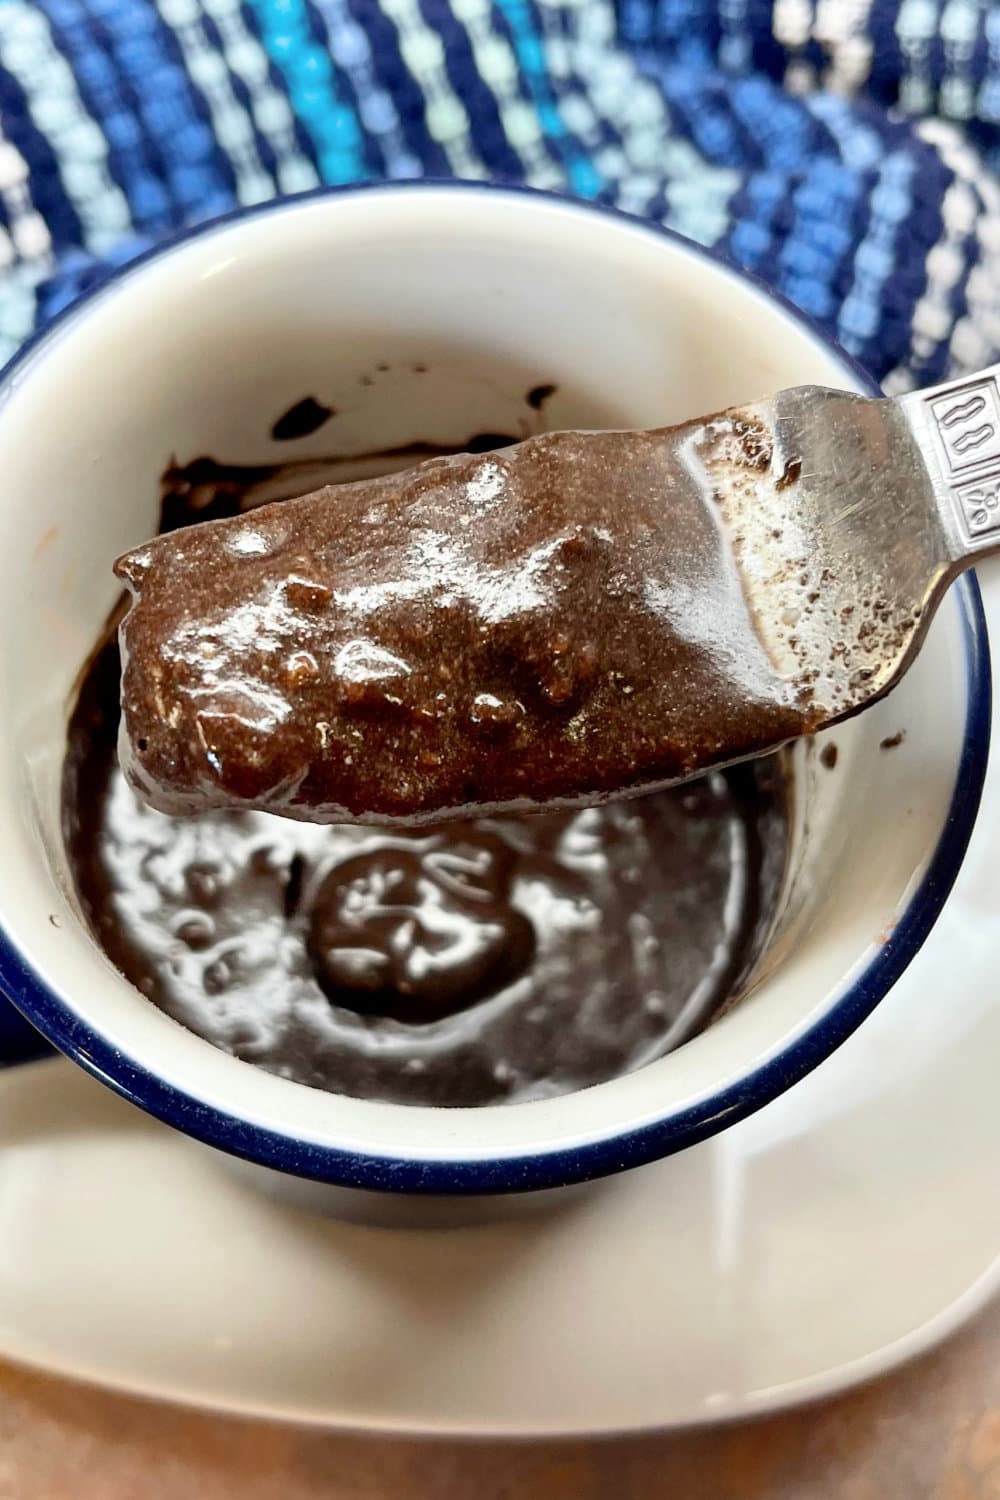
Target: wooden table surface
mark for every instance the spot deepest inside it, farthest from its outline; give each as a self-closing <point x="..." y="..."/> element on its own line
<point x="930" y="1430"/>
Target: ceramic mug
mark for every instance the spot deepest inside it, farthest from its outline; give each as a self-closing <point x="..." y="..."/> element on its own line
<point x="470" y="296"/>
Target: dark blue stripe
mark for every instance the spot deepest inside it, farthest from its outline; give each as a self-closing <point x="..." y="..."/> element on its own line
<point x="181" y="148"/>
<point x="391" y="71"/>
<point x="303" y="139"/>
<point x="488" y="138"/>
<point x="303" y="62"/>
<point x="99" y="83"/>
<point x="766" y="53"/>
<point x="887" y="58"/>
<point x="520" y="20"/>
<point x="46" y="186"/>
<point x="908" y="284"/>
<point x="369" y="149"/>
<point x="790" y="138"/>
<point x="265" y="151"/>
<point x="762" y="210"/>
<point x="702" y="112"/>
<point x="688" y="30"/>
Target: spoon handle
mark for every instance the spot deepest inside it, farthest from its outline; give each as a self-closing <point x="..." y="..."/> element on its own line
<point x="957" y="429"/>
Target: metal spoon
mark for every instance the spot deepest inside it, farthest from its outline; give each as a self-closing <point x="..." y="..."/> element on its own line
<point x="580" y="616"/>
<point x="867" y="511"/>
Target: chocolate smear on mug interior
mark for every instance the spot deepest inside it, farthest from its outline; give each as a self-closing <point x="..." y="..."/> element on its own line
<point x="556" y="623"/>
<point x="539" y="394"/>
<point x="301" y="419"/>
<point x="209" y="489"/>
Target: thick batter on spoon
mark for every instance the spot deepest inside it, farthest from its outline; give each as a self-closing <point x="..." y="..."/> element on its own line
<point x="556" y="623"/>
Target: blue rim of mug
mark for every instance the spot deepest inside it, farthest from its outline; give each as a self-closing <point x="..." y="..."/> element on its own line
<point x="527" y="1171"/>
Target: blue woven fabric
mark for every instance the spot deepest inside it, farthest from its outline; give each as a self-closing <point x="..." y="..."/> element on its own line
<point x="845" y="150"/>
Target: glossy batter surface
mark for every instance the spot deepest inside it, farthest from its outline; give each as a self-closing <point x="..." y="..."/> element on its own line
<point x="551" y="624"/>
<point x="494" y="959"/>
<point x="499" y="959"/>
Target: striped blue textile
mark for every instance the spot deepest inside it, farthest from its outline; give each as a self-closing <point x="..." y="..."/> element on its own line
<point x="845" y="150"/>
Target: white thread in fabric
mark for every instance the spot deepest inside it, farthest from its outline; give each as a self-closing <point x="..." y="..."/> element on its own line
<point x="970" y="210"/>
<point x="28" y="236"/>
<point x="959" y="29"/>
<point x="17" y="304"/>
<point x="697" y="193"/>
<point x="351" y="52"/>
<point x="575" y="105"/>
<point x="232" y="125"/>
<point x="840" y="28"/>
<point x="269" y="108"/>
<point x="497" y="66"/>
<point x="859" y="146"/>
<point x="915" y="26"/>
<point x="29" y="52"/>
<point x="444" y="113"/>
<point x="989" y="94"/>
<point x="792" y="22"/>
<point x="875" y="257"/>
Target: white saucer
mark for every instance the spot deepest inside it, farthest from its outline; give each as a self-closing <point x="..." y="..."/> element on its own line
<point x="844" y="1228"/>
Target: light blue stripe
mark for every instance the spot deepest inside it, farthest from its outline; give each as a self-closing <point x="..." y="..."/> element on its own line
<point x="28" y="49"/>
<point x="584" y="178"/>
<point x="100" y="84"/>
<point x="197" y="170"/>
<point x="309" y="77"/>
<point x="351" y="50"/>
<point x="821" y="238"/>
<point x="232" y="124"/>
<point x="17" y="307"/>
<point x="861" y="148"/>
<point x="891" y="202"/>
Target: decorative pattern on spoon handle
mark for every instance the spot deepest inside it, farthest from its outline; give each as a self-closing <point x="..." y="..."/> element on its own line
<point x="957" y="426"/>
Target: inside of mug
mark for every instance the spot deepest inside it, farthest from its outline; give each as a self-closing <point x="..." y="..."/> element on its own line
<point x="419" y="317"/>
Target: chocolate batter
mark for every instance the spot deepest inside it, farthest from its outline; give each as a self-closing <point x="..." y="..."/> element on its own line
<point x="551" y="624"/>
<point x="301" y="419"/>
<point x="486" y="961"/>
<point x="491" y="960"/>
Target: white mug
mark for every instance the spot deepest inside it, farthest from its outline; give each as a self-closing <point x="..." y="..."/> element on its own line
<point x="470" y="295"/>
